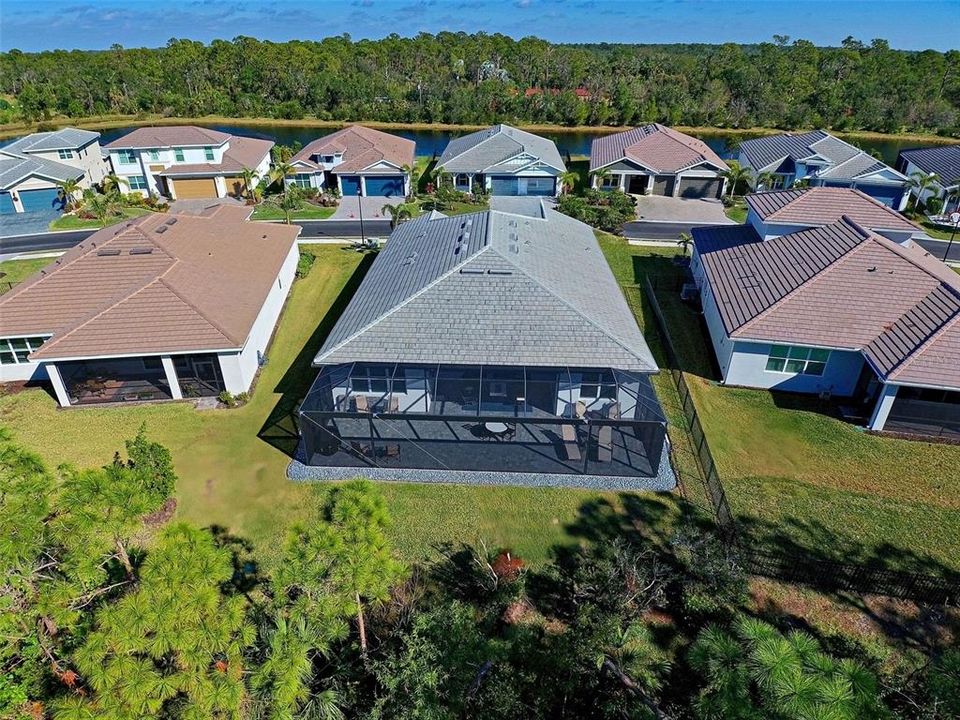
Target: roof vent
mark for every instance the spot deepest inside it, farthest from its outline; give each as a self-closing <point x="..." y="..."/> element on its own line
<point x="514" y="249"/>
<point x="160" y="230"/>
<point x="499" y="272"/>
<point x="471" y="271"/>
<point x="872" y="269"/>
<point x="513" y="236"/>
<point x="108" y="251"/>
<point x="171" y="221"/>
<point x="141" y="251"/>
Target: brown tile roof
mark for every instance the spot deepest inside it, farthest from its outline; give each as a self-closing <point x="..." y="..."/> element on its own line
<point x="826" y="205"/>
<point x="243" y="153"/>
<point x="655" y="146"/>
<point x="160" y="283"/>
<point x="168" y="136"/>
<point x="361" y="147"/>
<point x="841" y="286"/>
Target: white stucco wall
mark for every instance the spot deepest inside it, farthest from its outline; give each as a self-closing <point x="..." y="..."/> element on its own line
<point x="747" y="367"/>
<point x="23" y="371"/>
<point x="239" y="369"/>
<point x="722" y="344"/>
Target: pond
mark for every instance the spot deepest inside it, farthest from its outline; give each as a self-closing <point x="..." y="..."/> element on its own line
<point x="432" y="142"/>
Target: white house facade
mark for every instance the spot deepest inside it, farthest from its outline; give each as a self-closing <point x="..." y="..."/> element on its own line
<point x="943" y="163"/>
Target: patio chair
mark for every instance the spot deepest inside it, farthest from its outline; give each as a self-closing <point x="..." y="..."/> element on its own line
<point x="394" y="405"/>
<point x="570" y="445"/>
<point x="612" y="410"/>
<point x="605" y="444"/>
<point x="360" y="403"/>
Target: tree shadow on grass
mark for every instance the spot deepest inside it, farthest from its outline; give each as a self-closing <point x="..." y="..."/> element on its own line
<point x="280" y="428"/>
<point x="246" y="570"/>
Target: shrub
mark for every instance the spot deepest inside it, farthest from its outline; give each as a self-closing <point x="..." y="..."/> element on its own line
<point x="227" y="398"/>
<point x="304" y="264"/>
<point x="604" y="209"/>
<point x="934" y="205"/>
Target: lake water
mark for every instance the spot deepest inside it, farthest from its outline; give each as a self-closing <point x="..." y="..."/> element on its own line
<point x="430" y="142"/>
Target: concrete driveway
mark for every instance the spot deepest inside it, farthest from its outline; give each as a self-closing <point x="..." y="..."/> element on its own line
<point x="521" y="205"/>
<point x="658" y="209"/>
<point x="27" y="223"/>
<point x="349" y="207"/>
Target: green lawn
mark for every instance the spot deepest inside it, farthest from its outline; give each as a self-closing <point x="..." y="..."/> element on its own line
<point x="737" y="212"/>
<point x="938" y="231"/>
<point x="16" y="271"/>
<point x="794" y="474"/>
<point x="232" y="463"/>
<point x="308" y="212"/>
<point x="72" y="222"/>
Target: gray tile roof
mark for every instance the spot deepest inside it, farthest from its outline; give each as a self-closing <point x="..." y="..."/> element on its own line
<point x="944" y="161"/>
<point x="490" y="288"/>
<point x="483" y="149"/>
<point x="765" y="151"/>
<point x="15" y="169"/>
<point x="64" y="139"/>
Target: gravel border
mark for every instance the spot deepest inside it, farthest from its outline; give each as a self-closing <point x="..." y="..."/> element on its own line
<point x="665" y="479"/>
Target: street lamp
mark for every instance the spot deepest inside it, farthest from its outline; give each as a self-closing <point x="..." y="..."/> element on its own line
<point x="363" y="240"/>
<point x="955" y="219"/>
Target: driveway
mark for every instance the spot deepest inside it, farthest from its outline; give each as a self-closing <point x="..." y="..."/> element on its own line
<point x="350" y="206"/>
<point x="529" y="206"/>
<point x="658" y="209"/>
<point x="27" y="223"/>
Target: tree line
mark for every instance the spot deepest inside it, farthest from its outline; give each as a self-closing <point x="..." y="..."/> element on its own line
<point x="480" y="79"/>
<point x="110" y="609"/>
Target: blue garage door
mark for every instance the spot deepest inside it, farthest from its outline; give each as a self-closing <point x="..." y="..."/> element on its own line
<point x="887" y="194"/>
<point x="34" y="200"/>
<point x="387" y="185"/>
<point x="349" y="184"/>
<point x="6" y="204"/>
<point x="541" y="186"/>
<point x="500" y="185"/>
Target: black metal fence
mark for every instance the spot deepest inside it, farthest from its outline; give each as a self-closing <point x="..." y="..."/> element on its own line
<point x="792" y="567"/>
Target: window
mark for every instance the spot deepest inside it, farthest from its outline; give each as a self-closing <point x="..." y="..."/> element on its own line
<point x="16" y="350"/>
<point x="301" y="180"/>
<point x="611" y="181"/>
<point x="370" y="379"/>
<point x="65" y="154"/>
<point x="797" y="360"/>
<point x="178" y="154"/>
<point x="137" y="182"/>
<point x="595" y="385"/>
<point x="327" y="159"/>
<point x="127" y="157"/>
<point x="208" y="153"/>
<point x="154" y="155"/>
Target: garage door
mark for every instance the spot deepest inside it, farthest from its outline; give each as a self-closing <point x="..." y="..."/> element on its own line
<point x="195" y="188"/>
<point x="663" y="185"/>
<point x="700" y="187"/>
<point x="888" y="195"/>
<point x="235" y="186"/>
<point x="6" y="204"/>
<point x="349" y="184"/>
<point x="504" y="185"/>
<point x="385" y="185"/>
<point x="34" y="200"/>
<point x="539" y="186"/>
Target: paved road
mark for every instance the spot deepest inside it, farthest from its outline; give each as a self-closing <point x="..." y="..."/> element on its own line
<point x="41" y="242"/>
<point x="657" y="230"/>
<point x="343" y="228"/>
<point x="938" y="247"/>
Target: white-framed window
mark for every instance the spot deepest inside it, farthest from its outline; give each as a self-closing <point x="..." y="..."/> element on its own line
<point x="208" y="153"/>
<point x="137" y="182"/>
<point x="301" y="180"/>
<point x="154" y="155"/>
<point x="16" y="350"/>
<point x="178" y="154"/>
<point x="326" y="159"/>
<point x="65" y="154"/>
<point x="127" y="157"/>
<point x="370" y="379"/>
<point x="610" y="182"/>
<point x="797" y="360"/>
<point x="462" y="180"/>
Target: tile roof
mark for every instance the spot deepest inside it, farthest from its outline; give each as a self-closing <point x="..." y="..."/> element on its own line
<point x="656" y="147"/>
<point x="943" y="160"/>
<point x="825" y="205"/>
<point x="63" y="139"/>
<point x="490" y="288"/>
<point x="244" y="152"/>
<point x="159" y="283"/>
<point x="483" y="149"/>
<point x="840" y="286"/>
<point x="361" y="147"/>
<point x="169" y="136"/>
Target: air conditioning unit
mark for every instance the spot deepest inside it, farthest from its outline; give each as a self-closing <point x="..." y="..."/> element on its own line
<point x="689" y="291"/>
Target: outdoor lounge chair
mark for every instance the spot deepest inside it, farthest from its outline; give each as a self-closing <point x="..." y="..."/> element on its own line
<point x="570" y="446"/>
<point x="605" y="444"/>
<point x="360" y="403"/>
<point x="612" y="410"/>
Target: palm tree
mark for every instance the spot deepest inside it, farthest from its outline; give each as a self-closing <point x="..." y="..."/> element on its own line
<point x="414" y="176"/>
<point x="398" y="213"/>
<point x="249" y="177"/>
<point x="599" y="176"/>
<point x="438" y="176"/>
<point x="736" y="174"/>
<point x="919" y="183"/>
<point x="103" y="207"/>
<point x="568" y="180"/>
<point x="281" y="170"/>
<point x="71" y="189"/>
<point x="112" y="183"/>
<point x="685" y="242"/>
<point x="766" y="181"/>
<point x="289" y="202"/>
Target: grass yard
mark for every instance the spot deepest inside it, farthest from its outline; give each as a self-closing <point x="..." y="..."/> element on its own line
<point x="309" y="212"/>
<point x="231" y="463"/>
<point x="72" y="222"/>
<point x="13" y="272"/>
<point x="795" y="475"/>
<point x="937" y="231"/>
<point x="737" y="212"/>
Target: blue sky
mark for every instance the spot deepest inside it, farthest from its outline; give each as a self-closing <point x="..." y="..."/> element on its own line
<point x="32" y="25"/>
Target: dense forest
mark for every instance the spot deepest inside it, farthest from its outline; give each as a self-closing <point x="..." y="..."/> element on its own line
<point x="110" y="609"/>
<point x="480" y="78"/>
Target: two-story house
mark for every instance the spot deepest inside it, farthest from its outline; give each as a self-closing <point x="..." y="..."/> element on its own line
<point x="185" y="161"/>
<point x="32" y="167"/>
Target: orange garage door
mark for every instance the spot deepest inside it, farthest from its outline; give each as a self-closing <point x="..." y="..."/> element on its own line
<point x="195" y="188"/>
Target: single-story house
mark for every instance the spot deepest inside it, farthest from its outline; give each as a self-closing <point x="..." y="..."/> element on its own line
<point x="187" y="162"/>
<point x="657" y="160"/>
<point x="781" y="212"/>
<point x="161" y="307"/>
<point x="942" y="161"/>
<point x="356" y="160"/>
<point x="504" y="161"/>
<point x="487" y="342"/>
<point x="32" y="167"/>
<point x="838" y="311"/>
<point x="819" y="158"/>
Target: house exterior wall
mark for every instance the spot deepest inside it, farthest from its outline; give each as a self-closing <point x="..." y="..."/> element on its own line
<point x="166" y="157"/>
<point x="239" y="369"/>
<point x="24" y="371"/>
<point x="747" y="367"/>
<point x="88" y="158"/>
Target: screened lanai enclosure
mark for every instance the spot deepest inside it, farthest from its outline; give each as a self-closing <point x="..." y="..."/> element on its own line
<point x="593" y="421"/>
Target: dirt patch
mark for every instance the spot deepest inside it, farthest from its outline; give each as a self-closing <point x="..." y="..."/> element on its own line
<point x="161" y="516"/>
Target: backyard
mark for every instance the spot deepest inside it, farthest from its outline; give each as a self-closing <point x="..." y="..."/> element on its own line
<point x="231" y="463"/>
<point x="795" y="475"/>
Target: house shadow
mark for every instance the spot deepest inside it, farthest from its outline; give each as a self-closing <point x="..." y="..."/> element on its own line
<point x="280" y="428"/>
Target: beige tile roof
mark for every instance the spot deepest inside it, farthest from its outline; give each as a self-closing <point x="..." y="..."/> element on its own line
<point x="168" y="136"/>
<point x="160" y="283"/>
<point x="243" y="153"/>
<point x="361" y="147"/>
<point x="657" y="147"/>
<point x="826" y="205"/>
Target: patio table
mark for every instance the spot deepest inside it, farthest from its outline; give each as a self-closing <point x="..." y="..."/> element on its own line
<point x="497" y="428"/>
